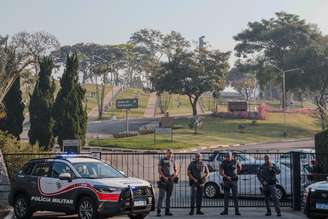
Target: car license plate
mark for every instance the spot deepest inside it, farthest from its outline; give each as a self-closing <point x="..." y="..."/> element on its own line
<point x="140" y="203"/>
<point x="321" y="206"/>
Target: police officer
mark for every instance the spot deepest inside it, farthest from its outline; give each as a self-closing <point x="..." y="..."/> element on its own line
<point x="229" y="169"/>
<point x="267" y="176"/>
<point x="168" y="173"/>
<point x="197" y="173"/>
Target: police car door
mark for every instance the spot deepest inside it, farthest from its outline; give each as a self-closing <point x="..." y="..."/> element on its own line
<point x="40" y="173"/>
<point x="61" y="191"/>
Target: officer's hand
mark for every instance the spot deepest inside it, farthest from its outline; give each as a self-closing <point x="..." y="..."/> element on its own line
<point x="265" y="183"/>
<point x="228" y="178"/>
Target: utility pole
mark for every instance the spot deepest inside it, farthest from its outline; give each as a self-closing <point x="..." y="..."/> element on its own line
<point x="284" y="99"/>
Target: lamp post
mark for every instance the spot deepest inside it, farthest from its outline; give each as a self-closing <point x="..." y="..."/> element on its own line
<point x="284" y="104"/>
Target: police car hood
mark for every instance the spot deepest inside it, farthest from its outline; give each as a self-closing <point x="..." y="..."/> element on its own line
<point x="123" y="182"/>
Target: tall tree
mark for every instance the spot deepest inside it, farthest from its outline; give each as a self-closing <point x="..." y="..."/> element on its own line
<point x="69" y="113"/>
<point x="14" y="106"/>
<point x="274" y="42"/>
<point x="41" y="106"/>
<point x="192" y="74"/>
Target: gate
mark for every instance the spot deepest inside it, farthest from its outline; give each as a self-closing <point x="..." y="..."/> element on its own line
<point x="291" y="182"/>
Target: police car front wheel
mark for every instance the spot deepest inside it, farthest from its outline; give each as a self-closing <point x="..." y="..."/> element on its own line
<point x="86" y="208"/>
<point x="22" y="207"/>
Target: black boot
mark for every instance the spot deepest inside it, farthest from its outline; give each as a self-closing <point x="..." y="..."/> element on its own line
<point x="268" y="213"/>
<point x="199" y="212"/>
<point x="224" y="212"/>
<point x="237" y="212"/>
<point x="191" y="211"/>
<point x="158" y="212"/>
<point x="168" y="213"/>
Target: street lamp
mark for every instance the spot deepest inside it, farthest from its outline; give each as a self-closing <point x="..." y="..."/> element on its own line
<point x="284" y="92"/>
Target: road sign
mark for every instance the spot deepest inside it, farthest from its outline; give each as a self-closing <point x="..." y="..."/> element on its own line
<point x="71" y="145"/>
<point x="127" y="103"/>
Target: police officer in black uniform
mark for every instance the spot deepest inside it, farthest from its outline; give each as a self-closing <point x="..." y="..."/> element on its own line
<point x="267" y="176"/>
<point x="198" y="174"/>
<point x="168" y="173"/>
<point x="229" y="169"/>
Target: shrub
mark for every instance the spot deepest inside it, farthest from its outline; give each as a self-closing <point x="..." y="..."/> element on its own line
<point x="125" y="134"/>
<point x="146" y="131"/>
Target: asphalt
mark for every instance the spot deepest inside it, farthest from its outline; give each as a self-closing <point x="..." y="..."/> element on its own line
<point x="253" y="213"/>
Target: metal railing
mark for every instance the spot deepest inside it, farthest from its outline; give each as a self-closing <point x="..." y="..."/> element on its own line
<point x="145" y="166"/>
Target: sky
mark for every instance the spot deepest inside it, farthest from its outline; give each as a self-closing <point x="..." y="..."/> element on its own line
<point x="112" y="22"/>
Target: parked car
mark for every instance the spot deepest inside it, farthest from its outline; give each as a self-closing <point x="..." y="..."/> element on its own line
<point x="248" y="183"/>
<point x="215" y="158"/>
<point x="79" y="185"/>
<point x="316" y="200"/>
<point x="307" y="156"/>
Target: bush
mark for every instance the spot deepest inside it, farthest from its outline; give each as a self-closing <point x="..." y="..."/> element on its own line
<point x="15" y="161"/>
<point x="146" y="131"/>
<point x="125" y="135"/>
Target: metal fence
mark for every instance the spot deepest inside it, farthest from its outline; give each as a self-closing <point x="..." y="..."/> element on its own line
<point x="297" y="171"/>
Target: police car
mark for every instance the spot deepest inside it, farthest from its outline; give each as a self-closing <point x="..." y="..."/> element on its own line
<point x="79" y="185"/>
<point x="316" y="200"/>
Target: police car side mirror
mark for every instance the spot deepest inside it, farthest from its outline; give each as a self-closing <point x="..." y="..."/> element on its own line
<point x="123" y="173"/>
<point x="65" y="176"/>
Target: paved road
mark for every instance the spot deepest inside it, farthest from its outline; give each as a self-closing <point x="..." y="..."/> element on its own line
<point x="183" y="214"/>
<point x="109" y="127"/>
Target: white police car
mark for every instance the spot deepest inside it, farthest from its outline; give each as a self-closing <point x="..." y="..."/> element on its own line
<point x="82" y="185"/>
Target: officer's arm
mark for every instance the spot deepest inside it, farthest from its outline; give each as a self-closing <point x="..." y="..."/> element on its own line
<point x="239" y="167"/>
<point x="221" y="170"/>
<point x="176" y="169"/>
<point x="207" y="172"/>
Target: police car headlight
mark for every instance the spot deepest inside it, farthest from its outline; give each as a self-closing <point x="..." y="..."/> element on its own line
<point x="107" y="189"/>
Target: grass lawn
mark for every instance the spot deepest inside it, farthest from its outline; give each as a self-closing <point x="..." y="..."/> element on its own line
<point x="131" y="93"/>
<point x="216" y="131"/>
<point x="179" y="104"/>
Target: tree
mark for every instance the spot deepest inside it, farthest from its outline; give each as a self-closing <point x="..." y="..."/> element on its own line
<point x="41" y="106"/>
<point x="69" y="113"/>
<point x="275" y="42"/>
<point x="246" y="86"/>
<point x="192" y="74"/>
<point x="13" y="122"/>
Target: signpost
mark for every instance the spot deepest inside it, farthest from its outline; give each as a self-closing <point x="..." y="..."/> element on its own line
<point x="71" y="146"/>
<point x="238" y="106"/>
<point x="127" y="104"/>
<point x="163" y="131"/>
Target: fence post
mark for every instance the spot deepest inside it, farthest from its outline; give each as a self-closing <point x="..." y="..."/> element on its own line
<point x="296" y="180"/>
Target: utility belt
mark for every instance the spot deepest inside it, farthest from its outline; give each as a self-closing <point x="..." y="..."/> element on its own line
<point x="200" y="182"/>
<point x="166" y="182"/>
<point x="233" y="179"/>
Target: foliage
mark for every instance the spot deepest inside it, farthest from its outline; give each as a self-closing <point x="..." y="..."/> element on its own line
<point x="69" y="113"/>
<point x="41" y="106"/>
<point x="246" y="86"/>
<point x="13" y="122"/>
<point x="192" y="74"/>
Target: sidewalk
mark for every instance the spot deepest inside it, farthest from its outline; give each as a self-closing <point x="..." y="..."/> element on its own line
<point x="151" y="107"/>
<point x="252" y="213"/>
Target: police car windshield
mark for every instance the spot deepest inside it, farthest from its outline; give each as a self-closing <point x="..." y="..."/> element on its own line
<point x="96" y="170"/>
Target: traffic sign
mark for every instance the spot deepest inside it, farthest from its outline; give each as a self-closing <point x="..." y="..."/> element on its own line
<point x="127" y="103"/>
<point x="71" y="145"/>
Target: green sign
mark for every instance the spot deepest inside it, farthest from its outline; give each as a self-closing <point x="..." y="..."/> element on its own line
<point x="127" y="103"/>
